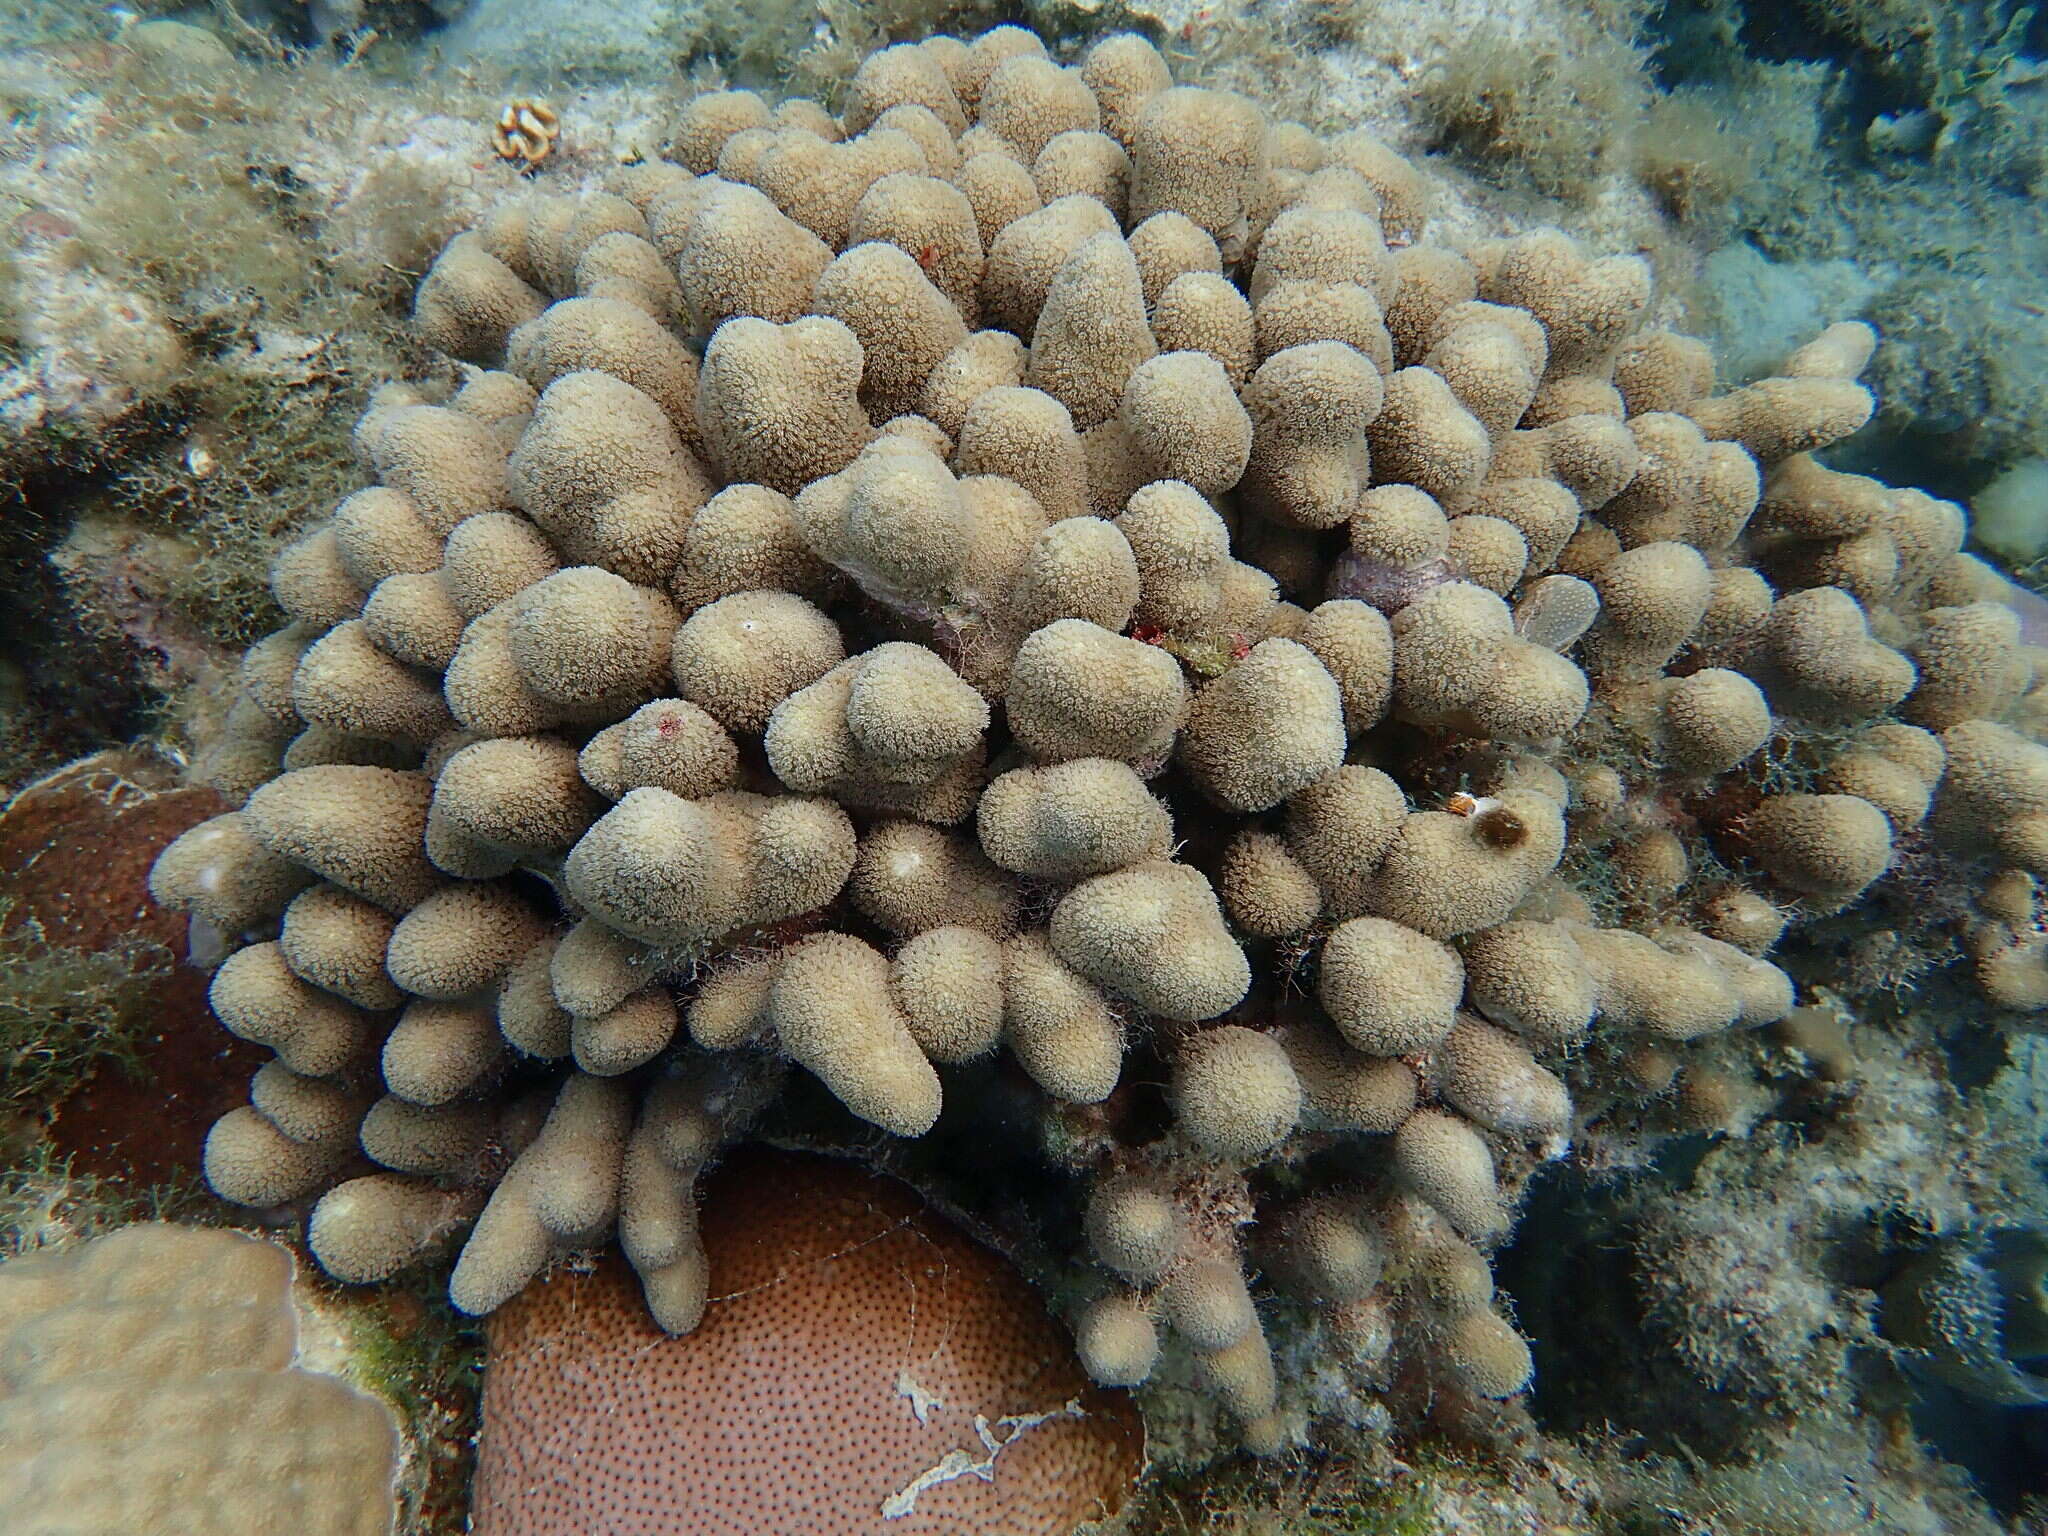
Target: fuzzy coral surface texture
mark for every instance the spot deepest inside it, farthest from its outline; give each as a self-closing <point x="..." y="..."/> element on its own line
<point x="1047" y="597"/>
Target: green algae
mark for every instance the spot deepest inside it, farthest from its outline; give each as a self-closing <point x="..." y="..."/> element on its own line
<point x="47" y="1203"/>
<point x="65" y="1012"/>
<point x="408" y="1345"/>
<point x="1554" y="111"/>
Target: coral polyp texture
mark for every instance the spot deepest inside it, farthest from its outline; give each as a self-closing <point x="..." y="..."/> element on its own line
<point x="149" y="1384"/>
<point x="1052" y="590"/>
<point x="920" y="1385"/>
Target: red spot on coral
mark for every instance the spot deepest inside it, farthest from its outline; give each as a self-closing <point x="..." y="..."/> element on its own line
<point x="40" y="226"/>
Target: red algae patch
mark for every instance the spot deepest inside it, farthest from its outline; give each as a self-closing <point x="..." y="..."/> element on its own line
<point x="75" y="852"/>
<point x="863" y="1367"/>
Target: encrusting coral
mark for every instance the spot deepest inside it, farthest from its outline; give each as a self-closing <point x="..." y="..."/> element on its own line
<point x="151" y="1383"/>
<point x="1055" y="565"/>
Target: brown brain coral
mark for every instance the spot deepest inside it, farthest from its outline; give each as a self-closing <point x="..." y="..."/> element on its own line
<point x="1113" y="596"/>
<point x="923" y="1387"/>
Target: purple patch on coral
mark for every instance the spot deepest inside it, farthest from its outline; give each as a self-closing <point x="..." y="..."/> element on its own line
<point x="1389" y="588"/>
<point x="2032" y="608"/>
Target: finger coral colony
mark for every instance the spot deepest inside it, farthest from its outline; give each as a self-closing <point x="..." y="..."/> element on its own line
<point x="1053" y="589"/>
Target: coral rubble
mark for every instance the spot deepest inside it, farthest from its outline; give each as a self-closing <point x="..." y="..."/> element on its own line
<point x="1050" y="590"/>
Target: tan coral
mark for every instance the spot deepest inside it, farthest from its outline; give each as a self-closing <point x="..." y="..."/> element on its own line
<point x="470" y="302"/>
<point x="1165" y="488"/>
<point x="1030" y="250"/>
<point x="898" y="522"/>
<point x="1028" y="436"/>
<point x="1057" y="1024"/>
<point x="948" y="982"/>
<point x="1403" y="194"/>
<point x="1446" y="873"/>
<point x="911" y="877"/>
<point x="673" y="871"/>
<point x="1078" y="690"/>
<point x="1971" y="666"/>
<point x="1830" y="663"/>
<point x="1153" y="933"/>
<point x="999" y="192"/>
<point x="1268" y="728"/>
<point x="904" y="324"/>
<point x="1079" y="567"/>
<point x="1340" y="828"/>
<point x="611" y="337"/>
<point x="832" y="1011"/>
<point x="1235" y="1096"/>
<point x="603" y="471"/>
<point x="1423" y="437"/>
<point x="1265" y="889"/>
<point x="1994" y="792"/>
<point x="1712" y="720"/>
<point x="1489" y="370"/>
<point x="778" y="405"/>
<point x="818" y="182"/>
<point x="1029" y="100"/>
<point x="894" y="728"/>
<point x="1585" y="307"/>
<point x="899" y="75"/>
<point x="1441" y="1158"/>
<point x="1202" y="154"/>
<point x="1659" y="370"/>
<point x="1652" y="598"/>
<point x="1825" y="845"/>
<point x="1182" y="420"/>
<point x="1308" y="405"/>
<point x="1072" y="819"/>
<point x="739" y="657"/>
<point x="1091" y="332"/>
<point x="745" y="539"/>
<point x="1895" y="768"/>
<point x="188" y="1337"/>
<point x="1389" y="990"/>
<point x="1777" y="418"/>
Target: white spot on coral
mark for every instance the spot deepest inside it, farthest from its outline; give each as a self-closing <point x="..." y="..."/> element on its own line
<point x="954" y="1465"/>
<point x="205" y="945"/>
<point x="922" y="1399"/>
